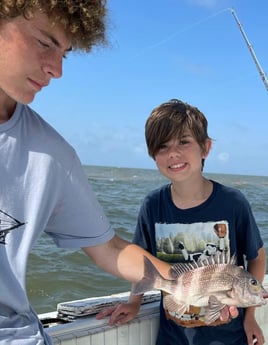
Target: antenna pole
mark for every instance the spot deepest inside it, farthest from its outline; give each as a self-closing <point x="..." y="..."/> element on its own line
<point x="260" y="70"/>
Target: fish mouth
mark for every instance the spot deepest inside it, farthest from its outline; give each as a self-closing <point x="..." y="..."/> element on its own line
<point x="264" y="296"/>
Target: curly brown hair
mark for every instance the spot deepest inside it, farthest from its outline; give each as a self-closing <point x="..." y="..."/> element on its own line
<point x="82" y="20"/>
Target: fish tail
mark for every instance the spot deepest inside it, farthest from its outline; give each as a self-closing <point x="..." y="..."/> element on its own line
<point x="149" y="280"/>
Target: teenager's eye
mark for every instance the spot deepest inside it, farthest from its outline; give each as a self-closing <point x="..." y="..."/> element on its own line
<point x="43" y="44"/>
<point x="48" y="46"/>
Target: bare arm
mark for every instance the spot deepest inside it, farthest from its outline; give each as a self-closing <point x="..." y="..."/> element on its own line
<point x="124" y="259"/>
<point x="257" y="268"/>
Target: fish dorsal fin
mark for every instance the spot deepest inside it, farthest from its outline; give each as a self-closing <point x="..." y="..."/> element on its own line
<point x="178" y="269"/>
<point x="233" y="260"/>
<point x="219" y="258"/>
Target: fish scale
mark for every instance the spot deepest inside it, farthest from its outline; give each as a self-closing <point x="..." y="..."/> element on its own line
<point x="214" y="278"/>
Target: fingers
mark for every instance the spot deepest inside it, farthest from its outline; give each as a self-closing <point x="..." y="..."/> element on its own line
<point x="257" y="341"/>
<point x="233" y="312"/>
<point x="105" y="312"/>
<point x="228" y="312"/>
<point x="120" y="319"/>
<point x="225" y="314"/>
<point x="118" y="314"/>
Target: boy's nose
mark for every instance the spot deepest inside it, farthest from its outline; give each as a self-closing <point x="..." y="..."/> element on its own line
<point x="174" y="151"/>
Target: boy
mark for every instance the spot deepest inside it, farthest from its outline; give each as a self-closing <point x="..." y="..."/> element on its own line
<point x="43" y="187"/>
<point x="190" y="219"/>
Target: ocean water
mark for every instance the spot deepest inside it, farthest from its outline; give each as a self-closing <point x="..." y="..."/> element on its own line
<point x="57" y="275"/>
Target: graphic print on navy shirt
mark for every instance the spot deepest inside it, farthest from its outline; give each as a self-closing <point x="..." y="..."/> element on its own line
<point x="191" y="242"/>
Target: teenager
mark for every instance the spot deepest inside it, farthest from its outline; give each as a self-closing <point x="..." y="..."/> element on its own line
<point x="43" y="187"/>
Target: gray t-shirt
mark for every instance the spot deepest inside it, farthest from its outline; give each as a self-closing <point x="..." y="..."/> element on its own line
<point x="43" y="188"/>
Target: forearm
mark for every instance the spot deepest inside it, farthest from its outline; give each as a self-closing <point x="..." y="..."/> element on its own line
<point x="124" y="259"/>
<point x="135" y="299"/>
<point x="257" y="268"/>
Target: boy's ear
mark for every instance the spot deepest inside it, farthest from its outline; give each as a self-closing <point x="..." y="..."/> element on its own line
<point x="207" y="149"/>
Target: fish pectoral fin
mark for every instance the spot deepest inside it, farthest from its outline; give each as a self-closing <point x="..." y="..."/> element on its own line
<point x="173" y="305"/>
<point x="213" y="310"/>
<point x="214" y="303"/>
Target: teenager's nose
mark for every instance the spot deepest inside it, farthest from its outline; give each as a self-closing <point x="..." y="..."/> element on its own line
<point x="54" y="67"/>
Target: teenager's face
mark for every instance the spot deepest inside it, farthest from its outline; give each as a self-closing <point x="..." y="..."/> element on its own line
<point x="31" y="54"/>
<point x="179" y="159"/>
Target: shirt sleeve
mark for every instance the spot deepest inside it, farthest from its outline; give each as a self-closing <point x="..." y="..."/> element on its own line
<point x="145" y="230"/>
<point x="78" y="219"/>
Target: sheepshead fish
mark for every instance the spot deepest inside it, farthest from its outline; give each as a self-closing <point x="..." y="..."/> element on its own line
<point x="211" y="284"/>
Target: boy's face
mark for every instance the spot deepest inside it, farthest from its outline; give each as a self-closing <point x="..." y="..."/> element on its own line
<point x="31" y="54"/>
<point x="179" y="159"/>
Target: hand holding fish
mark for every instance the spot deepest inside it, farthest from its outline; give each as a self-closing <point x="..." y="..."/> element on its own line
<point x="228" y="312"/>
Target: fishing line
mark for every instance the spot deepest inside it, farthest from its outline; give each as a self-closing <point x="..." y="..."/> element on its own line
<point x="170" y="37"/>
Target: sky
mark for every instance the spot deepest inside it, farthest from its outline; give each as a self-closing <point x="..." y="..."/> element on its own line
<point x="157" y="50"/>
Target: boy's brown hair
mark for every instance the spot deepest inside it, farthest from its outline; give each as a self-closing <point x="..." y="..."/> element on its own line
<point x="82" y="20"/>
<point x="170" y="120"/>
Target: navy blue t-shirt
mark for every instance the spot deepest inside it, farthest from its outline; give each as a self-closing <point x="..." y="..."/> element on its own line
<point x="223" y="223"/>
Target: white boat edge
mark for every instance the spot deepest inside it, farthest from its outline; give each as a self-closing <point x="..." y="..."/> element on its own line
<point x="82" y="329"/>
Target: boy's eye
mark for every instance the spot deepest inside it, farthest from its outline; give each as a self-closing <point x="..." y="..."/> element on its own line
<point x="162" y="146"/>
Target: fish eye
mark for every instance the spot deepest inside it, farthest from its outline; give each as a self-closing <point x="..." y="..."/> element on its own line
<point x="253" y="282"/>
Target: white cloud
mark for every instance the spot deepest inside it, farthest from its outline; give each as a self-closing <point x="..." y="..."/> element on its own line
<point x="110" y="145"/>
<point x="223" y="156"/>
<point x="140" y="149"/>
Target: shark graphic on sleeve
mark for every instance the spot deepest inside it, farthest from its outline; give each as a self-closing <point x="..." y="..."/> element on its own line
<point x="7" y="224"/>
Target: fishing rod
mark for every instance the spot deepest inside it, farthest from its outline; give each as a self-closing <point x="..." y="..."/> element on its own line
<point x="260" y="70"/>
